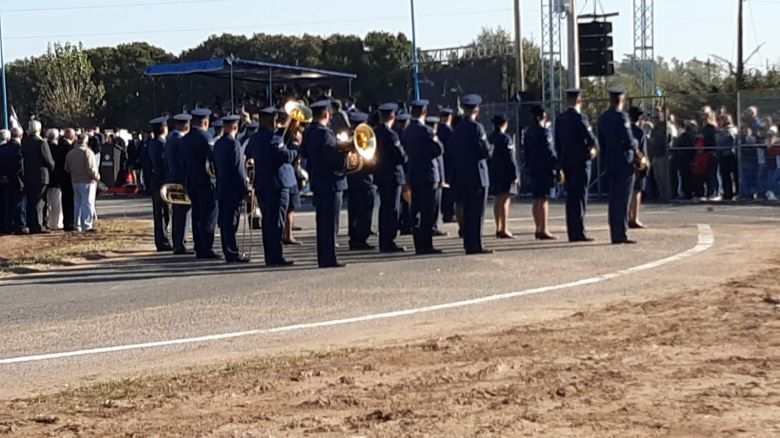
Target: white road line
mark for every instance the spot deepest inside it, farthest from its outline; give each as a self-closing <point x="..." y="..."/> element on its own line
<point x="705" y="241"/>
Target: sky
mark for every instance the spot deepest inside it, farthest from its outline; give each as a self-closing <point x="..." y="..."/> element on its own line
<point x="684" y="28"/>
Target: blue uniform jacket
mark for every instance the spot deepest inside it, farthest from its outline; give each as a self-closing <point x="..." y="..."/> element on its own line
<point x="156" y="152"/>
<point x="445" y="134"/>
<point x="503" y="163"/>
<point x="231" y="169"/>
<point x="196" y="151"/>
<point x="177" y="174"/>
<point x="423" y="149"/>
<point x="541" y="160"/>
<point x="617" y="141"/>
<point x="391" y="157"/>
<point x="574" y="139"/>
<point x="273" y="161"/>
<point x="327" y="163"/>
<point x="470" y="152"/>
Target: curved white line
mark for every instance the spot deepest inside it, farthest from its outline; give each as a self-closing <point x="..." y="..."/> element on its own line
<point x="705" y="242"/>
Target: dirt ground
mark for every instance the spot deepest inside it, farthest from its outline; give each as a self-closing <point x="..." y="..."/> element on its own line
<point x="693" y="363"/>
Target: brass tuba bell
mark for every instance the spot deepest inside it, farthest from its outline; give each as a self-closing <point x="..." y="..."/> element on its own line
<point x="175" y="194"/>
<point x="362" y="143"/>
<point x="300" y="115"/>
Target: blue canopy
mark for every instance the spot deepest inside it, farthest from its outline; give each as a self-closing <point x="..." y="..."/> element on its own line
<point x="247" y="70"/>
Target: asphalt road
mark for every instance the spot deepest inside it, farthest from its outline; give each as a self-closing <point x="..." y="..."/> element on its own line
<point x="154" y="298"/>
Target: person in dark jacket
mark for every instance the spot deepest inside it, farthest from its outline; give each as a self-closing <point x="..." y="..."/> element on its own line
<point x="360" y="196"/>
<point x="38" y="164"/>
<point x="197" y="154"/>
<point x="161" y="211"/>
<point x="177" y="174"/>
<point x="389" y="177"/>
<point x="640" y="182"/>
<point x="447" y="198"/>
<point x="541" y="162"/>
<point x="503" y="174"/>
<point x="405" y="224"/>
<point x="232" y="187"/>
<point x="54" y="192"/>
<point x="12" y="184"/>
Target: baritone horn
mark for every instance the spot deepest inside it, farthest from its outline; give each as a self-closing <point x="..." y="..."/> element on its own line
<point x="175" y="194"/>
<point x="362" y="144"/>
<point x="300" y="115"/>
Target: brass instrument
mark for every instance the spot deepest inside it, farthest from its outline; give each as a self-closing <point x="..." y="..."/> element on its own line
<point x="251" y="210"/>
<point x="211" y="171"/>
<point x="641" y="163"/>
<point x="175" y="194"/>
<point x="300" y="115"/>
<point x="362" y="144"/>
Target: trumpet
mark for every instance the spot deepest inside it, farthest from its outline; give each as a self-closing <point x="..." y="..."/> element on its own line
<point x="175" y="194"/>
<point x="362" y="144"/>
<point x="300" y="115"/>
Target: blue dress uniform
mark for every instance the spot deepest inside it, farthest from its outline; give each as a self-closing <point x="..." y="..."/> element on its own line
<point x="640" y="183"/>
<point x="471" y="179"/>
<point x="196" y="150"/>
<point x="574" y="140"/>
<point x="424" y="149"/>
<point x="405" y="224"/>
<point x="447" y="198"/>
<point x="161" y="212"/>
<point x="231" y="189"/>
<point x="177" y="174"/>
<point x="541" y="160"/>
<point x="502" y="166"/>
<point x="361" y="197"/>
<point x="274" y="178"/>
<point x="390" y="178"/>
<point x="618" y="144"/>
<point x="328" y="181"/>
<point x="433" y="123"/>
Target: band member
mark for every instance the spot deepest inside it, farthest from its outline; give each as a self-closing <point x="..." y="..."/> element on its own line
<point x="424" y="150"/>
<point x="619" y="148"/>
<point x="360" y="198"/>
<point x="196" y="150"/>
<point x="328" y="179"/>
<point x="389" y="177"/>
<point x="405" y="224"/>
<point x="177" y="174"/>
<point x="542" y="164"/>
<point x="433" y="123"/>
<point x="161" y="212"/>
<point x="444" y="133"/>
<point x="640" y="184"/>
<point x="232" y="187"/>
<point x="503" y="174"/>
<point x="577" y="147"/>
<point x="219" y="130"/>
<point x="295" y="191"/>
<point x="274" y="177"/>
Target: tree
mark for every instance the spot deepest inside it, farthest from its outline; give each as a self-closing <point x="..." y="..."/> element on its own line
<point x="67" y="94"/>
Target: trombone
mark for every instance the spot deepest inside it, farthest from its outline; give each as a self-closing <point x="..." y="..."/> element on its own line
<point x="362" y="144"/>
<point x="175" y="194"/>
<point x="251" y="210"/>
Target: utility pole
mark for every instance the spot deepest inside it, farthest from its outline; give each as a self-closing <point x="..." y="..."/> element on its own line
<point x="574" y="45"/>
<point x="415" y="58"/>
<point x="740" y="46"/>
<point x="519" y="63"/>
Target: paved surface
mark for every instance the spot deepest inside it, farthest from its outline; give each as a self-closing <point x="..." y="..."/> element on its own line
<point x="160" y="297"/>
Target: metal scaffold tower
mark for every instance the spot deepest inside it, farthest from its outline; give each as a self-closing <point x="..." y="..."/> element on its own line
<point x="644" y="51"/>
<point x="553" y="16"/>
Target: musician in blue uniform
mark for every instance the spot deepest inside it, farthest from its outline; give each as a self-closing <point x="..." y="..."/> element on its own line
<point x="634" y="114"/>
<point x="541" y="162"/>
<point x="389" y="177"/>
<point x="433" y="123"/>
<point x="618" y="144"/>
<point x="328" y="180"/>
<point x="470" y="152"/>
<point x="197" y="153"/>
<point x="177" y="174"/>
<point x="219" y="129"/>
<point x="423" y="149"/>
<point x="294" y="204"/>
<point x="405" y="224"/>
<point x="360" y="195"/>
<point x="577" y="147"/>
<point x="504" y="176"/>
<point x="274" y="177"/>
<point x="445" y="133"/>
<point x="161" y="212"/>
<point x="232" y="187"/>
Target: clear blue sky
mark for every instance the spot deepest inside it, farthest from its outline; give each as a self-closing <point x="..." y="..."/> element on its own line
<point x="684" y="28"/>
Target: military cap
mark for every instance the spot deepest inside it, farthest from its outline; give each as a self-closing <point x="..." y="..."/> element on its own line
<point x="403" y="117"/>
<point x="269" y="111"/>
<point x="217" y="123"/>
<point x="617" y="90"/>
<point x="233" y="118"/>
<point x="358" y="117"/>
<point x="320" y="105"/>
<point x="183" y="118"/>
<point x="471" y="100"/>
<point x="253" y="125"/>
<point x="200" y="113"/>
<point x="159" y="121"/>
<point x="419" y="103"/>
<point x="432" y="120"/>
<point x="573" y="91"/>
<point x="446" y="111"/>
<point x="389" y="107"/>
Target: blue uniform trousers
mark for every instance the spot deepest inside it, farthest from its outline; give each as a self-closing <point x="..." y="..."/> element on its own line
<point x="204" y="218"/>
<point x="229" y="216"/>
<point x="473" y="201"/>
<point x="274" y="205"/>
<point x="621" y="187"/>
<point x="389" y="214"/>
<point x="437" y="208"/>
<point x="423" y="216"/>
<point x="576" y="186"/>
<point x="328" y="207"/>
<point x="360" y="212"/>
<point x="179" y="226"/>
<point x="161" y="213"/>
<point x="447" y="205"/>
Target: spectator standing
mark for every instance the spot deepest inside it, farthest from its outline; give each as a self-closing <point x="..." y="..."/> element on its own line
<point x="727" y="158"/>
<point x="80" y="164"/>
<point x="658" y="153"/>
<point x="54" y="192"/>
<point x="38" y="163"/>
<point x="749" y="186"/>
<point x="12" y="169"/>
<point x="683" y="154"/>
<point x="773" y="164"/>
<point x="64" y="146"/>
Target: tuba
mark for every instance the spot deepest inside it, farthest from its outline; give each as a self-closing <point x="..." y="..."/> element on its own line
<point x="362" y="143"/>
<point x="175" y="194"/>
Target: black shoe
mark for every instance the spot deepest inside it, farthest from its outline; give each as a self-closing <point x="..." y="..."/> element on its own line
<point x="625" y="242"/>
<point x="545" y="236"/>
<point x="480" y="252"/>
<point x="22" y="232"/>
<point x="361" y="247"/>
<point x="636" y="225"/>
<point x="292" y="242"/>
<point x="280" y="264"/>
<point x="182" y="252"/>
<point x="239" y="259"/>
<point x="582" y="239"/>
<point x="335" y="265"/>
<point x="504" y="236"/>
<point x="405" y="233"/>
<point x="393" y="249"/>
<point x="208" y="256"/>
<point x="297" y="228"/>
<point x="69" y="229"/>
<point x="440" y="233"/>
<point x="164" y="248"/>
<point x="432" y="251"/>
